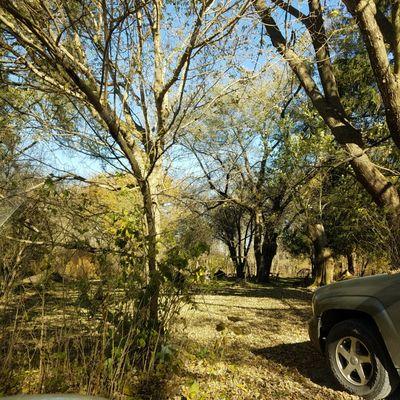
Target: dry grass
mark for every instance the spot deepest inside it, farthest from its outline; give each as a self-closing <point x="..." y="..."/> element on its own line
<point x="251" y="342"/>
<point x="54" y="340"/>
<point x="237" y="342"/>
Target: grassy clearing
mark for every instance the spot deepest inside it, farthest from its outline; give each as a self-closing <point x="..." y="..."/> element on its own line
<point x="251" y="342"/>
<point x="235" y="342"/>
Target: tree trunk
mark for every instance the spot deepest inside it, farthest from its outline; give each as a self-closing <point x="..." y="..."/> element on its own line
<point x="240" y="270"/>
<point x="324" y="264"/>
<point x="364" y="265"/>
<point x="328" y="267"/>
<point x="265" y="247"/>
<point x="258" y="229"/>
<point x="351" y="262"/>
<point x="239" y="261"/>
<point x="388" y="79"/>
<point x="269" y="248"/>
<point x="153" y="279"/>
<point x="312" y="263"/>
<point x="329" y="107"/>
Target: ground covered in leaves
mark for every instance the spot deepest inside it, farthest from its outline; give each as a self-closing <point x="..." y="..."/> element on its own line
<point x="251" y="342"/>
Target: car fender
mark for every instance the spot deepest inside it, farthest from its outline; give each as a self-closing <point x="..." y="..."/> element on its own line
<point x="375" y="309"/>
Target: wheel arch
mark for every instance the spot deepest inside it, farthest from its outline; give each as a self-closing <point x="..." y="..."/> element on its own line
<point x="334" y="310"/>
<point x="331" y="317"/>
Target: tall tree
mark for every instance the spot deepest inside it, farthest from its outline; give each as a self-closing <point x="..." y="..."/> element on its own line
<point x="118" y="64"/>
<point x="326" y="97"/>
<point x="233" y="226"/>
<point x="379" y="24"/>
<point x="254" y="164"/>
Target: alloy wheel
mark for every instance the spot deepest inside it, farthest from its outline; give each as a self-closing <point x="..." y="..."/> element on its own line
<point x="354" y="361"/>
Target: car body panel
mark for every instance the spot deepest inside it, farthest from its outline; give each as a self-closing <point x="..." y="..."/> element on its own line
<point x="378" y="296"/>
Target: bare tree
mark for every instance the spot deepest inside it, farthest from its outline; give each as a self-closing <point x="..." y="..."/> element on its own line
<point x="233" y="226"/>
<point x="245" y="158"/>
<point x="120" y="67"/>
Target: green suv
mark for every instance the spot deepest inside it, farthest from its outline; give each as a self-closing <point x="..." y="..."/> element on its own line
<point x="356" y="324"/>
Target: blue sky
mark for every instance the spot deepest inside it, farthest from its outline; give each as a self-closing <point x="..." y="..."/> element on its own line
<point x="80" y="164"/>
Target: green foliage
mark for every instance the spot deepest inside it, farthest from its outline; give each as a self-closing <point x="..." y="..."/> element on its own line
<point x="178" y="266"/>
<point x="261" y="155"/>
<point x="127" y="230"/>
<point x="297" y="241"/>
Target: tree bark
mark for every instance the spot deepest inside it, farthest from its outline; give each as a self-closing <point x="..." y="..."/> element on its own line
<point x="239" y="259"/>
<point x="330" y="109"/>
<point x="351" y="262"/>
<point x="151" y="221"/>
<point x="366" y="14"/>
<point x="258" y="229"/>
<point x="324" y="264"/>
<point x="312" y="262"/>
<point x="240" y="270"/>
<point x="328" y="268"/>
<point x="265" y="247"/>
<point x="234" y="257"/>
<point x="269" y="248"/>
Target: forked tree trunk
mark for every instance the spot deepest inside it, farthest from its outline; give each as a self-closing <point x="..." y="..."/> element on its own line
<point x="265" y="247"/>
<point x="323" y="260"/>
<point x="236" y="233"/>
<point x="236" y="260"/>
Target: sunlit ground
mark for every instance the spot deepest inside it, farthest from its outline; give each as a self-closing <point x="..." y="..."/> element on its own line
<point x="251" y="342"/>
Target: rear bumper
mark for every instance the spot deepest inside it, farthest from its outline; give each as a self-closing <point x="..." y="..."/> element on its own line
<point x="313" y="332"/>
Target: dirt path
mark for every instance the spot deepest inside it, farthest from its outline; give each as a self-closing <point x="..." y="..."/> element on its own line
<point x="251" y="343"/>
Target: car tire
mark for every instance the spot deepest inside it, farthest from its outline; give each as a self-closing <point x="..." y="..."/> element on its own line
<point x="359" y="361"/>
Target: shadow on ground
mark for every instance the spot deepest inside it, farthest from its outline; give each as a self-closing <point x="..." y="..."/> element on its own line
<point x="303" y="357"/>
<point x="308" y="362"/>
<point x="270" y="291"/>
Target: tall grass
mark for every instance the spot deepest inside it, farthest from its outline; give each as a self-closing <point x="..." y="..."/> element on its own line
<point x="85" y="337"/>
